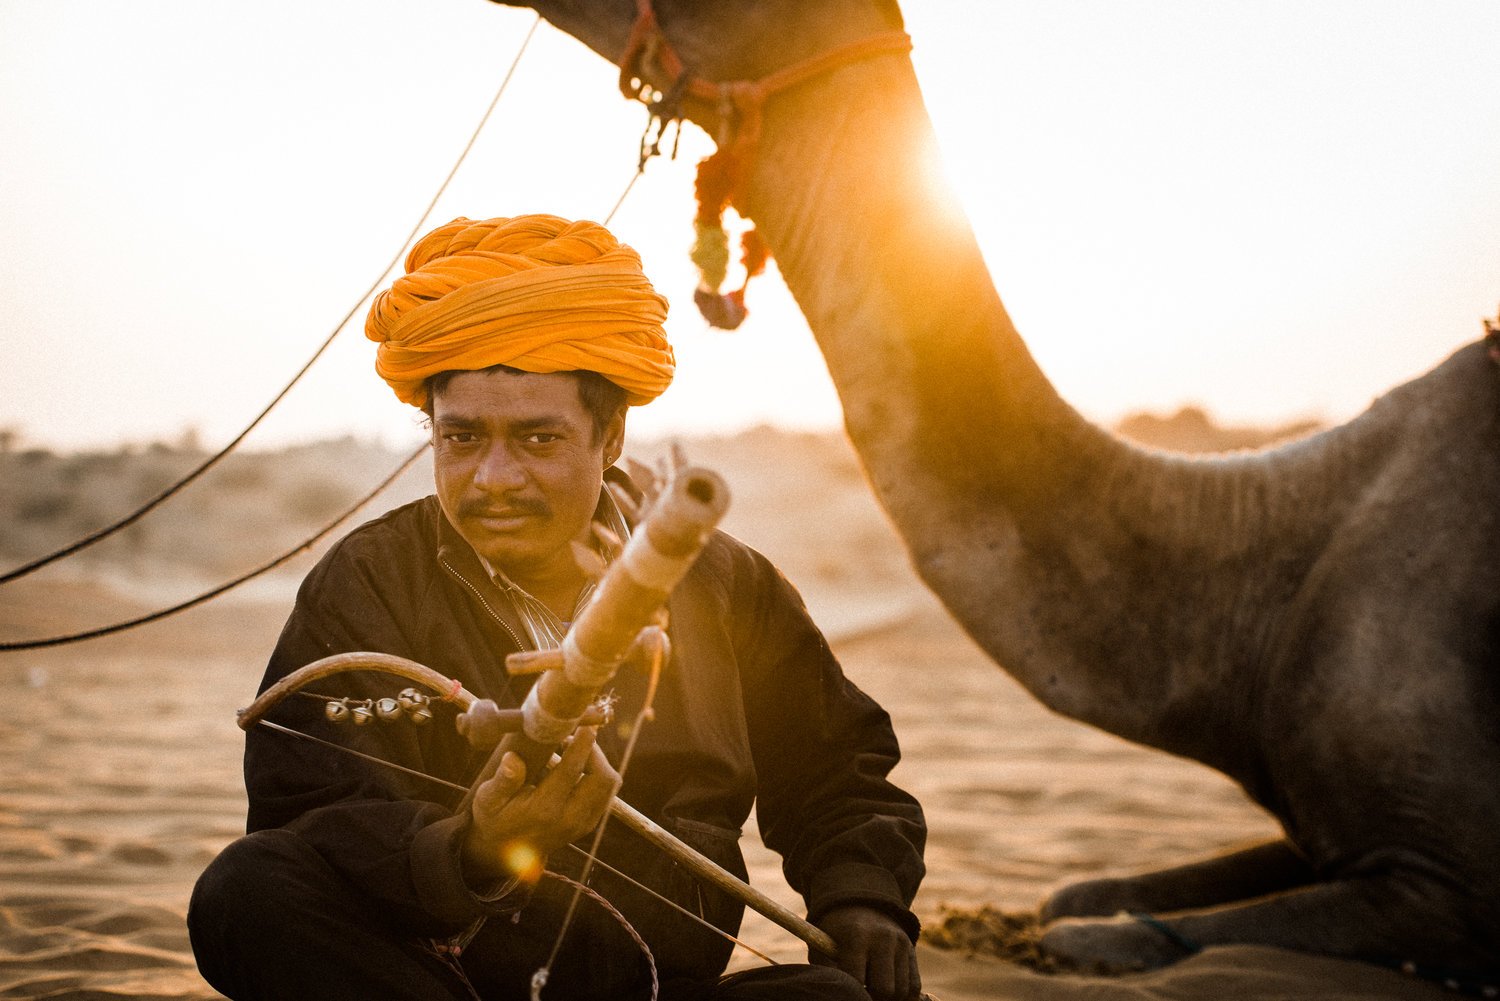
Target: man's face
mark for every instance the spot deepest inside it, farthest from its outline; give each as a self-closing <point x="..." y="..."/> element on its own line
<point x="519" y="467"/>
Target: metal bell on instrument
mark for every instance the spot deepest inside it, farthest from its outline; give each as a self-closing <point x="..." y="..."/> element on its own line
<point x="419" y="715"/>
<point x="410" y="698"/>
<point x="361" y="714"/>
<point x="336" y="712"/>
<point x="389" y="710"/>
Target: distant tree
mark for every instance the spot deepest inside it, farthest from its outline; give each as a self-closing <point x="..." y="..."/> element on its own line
<point x="190" y="441"/>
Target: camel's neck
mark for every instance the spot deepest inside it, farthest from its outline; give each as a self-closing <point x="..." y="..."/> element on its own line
<point x="899" y="298"/>
<point x="1003" y="493"/>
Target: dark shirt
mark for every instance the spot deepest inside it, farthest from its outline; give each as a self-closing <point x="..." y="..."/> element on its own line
<point x="752" y="709"/>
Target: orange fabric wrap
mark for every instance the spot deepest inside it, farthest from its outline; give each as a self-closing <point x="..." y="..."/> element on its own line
<point x="535" y="292"/>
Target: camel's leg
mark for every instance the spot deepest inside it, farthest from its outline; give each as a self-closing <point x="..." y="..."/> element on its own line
<point x="1389" y="917"/>
<point x="1252" y="872"/>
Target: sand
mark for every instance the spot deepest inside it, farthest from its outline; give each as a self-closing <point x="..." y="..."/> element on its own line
<point x="121" y="781"/>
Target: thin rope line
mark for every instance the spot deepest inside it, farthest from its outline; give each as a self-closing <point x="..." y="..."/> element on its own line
<point x="662" y="898"/>
<point x="361" y="754"/>
<point x="539" y="978"/>
<point x="213" y="460"/>
<point x="618" y="202"/>
<point x="222" y="588"/>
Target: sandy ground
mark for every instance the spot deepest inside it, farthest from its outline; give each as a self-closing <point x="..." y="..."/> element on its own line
<point x="121" y="781"/>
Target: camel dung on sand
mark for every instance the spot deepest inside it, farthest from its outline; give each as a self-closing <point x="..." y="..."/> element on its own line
<point x="1320" y="621"/>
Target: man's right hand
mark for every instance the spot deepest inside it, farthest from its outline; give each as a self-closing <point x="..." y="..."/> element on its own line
<point x="515" y="826"/>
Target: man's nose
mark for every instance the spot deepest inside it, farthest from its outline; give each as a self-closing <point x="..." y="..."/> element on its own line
<point x="499" y="470"/>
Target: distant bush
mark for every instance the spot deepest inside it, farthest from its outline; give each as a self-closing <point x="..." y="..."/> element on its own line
<point x="318" y="501"/>
<point x="1191" y="429"/>
<point x="44" y="507"/>
<point x="244" y="476"/>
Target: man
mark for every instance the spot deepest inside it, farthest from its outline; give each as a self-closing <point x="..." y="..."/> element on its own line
<point x="524" y="340"/>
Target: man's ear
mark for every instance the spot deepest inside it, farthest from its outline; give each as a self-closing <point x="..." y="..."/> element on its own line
<point x="614" y="438"/>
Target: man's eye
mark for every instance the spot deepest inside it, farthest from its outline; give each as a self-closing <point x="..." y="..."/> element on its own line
<point x="460" y="437"/>
<point x="541" y="438"/>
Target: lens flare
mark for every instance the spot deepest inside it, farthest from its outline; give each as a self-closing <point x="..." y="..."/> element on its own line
<point x="522" y="858"/>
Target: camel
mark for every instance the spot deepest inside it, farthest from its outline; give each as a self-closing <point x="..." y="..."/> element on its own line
<point x="1320" y="622"/>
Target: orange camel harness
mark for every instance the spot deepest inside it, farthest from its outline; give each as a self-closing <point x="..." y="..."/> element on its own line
<point x="723" y="176"/>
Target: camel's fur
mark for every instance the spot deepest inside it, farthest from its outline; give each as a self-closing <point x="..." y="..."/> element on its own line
<point x="1321" y="622"/>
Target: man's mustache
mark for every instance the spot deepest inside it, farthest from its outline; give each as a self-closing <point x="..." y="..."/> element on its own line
<point x="480" y="507"/>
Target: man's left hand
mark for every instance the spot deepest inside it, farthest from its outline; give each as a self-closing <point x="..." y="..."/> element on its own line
<point x="873" y="950"/>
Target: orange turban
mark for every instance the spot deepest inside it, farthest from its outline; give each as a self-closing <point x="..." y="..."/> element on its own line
<point x="535" y="292"/>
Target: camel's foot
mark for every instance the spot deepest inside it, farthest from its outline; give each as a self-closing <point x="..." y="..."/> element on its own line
<point x="1093" y="898"/>
<point x="1254" y="871"/>
<point x="1122" y="944"/>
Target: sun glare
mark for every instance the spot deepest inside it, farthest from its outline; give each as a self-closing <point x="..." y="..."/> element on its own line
<point x="1273" y="212"/>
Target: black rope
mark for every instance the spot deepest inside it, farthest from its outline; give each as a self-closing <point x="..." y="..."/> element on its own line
<point x="306" y="544"/>
<point x="214" y="459"/>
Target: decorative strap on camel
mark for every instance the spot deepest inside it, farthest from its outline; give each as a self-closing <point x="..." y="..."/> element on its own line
<point x="723" y="177"/>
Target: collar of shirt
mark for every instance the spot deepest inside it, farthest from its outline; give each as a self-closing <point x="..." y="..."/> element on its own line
<point x="543" y="627"/>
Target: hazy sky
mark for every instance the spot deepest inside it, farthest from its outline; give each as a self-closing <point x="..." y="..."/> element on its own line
<point x="1275" y="209"/>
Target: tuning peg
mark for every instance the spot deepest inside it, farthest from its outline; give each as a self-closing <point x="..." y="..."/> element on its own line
<point x="527" y="662"/>
<point x="484" y="723"/>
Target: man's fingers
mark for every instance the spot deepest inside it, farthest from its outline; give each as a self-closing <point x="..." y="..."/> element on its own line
<point x="512" y="772"/>
<point x="578" y="753"/>
<point x="597" y="787"/>
<point x="854" y="959"/>
<point x="880" y="976"/>
<point x="501" y="788"/>
<point x="886" y="969"/>
<point x="893" y="974"/>
<point x="905" y="980"/>
<point x="556" y="787"/>
<point x="591" y="795"/>
<point x="874" y="950"/>
<point x="570" y="798"/>
<point x="599" y="765"/>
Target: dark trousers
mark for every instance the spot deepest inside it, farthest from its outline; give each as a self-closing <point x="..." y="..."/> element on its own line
<point x="270" y="920"/>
